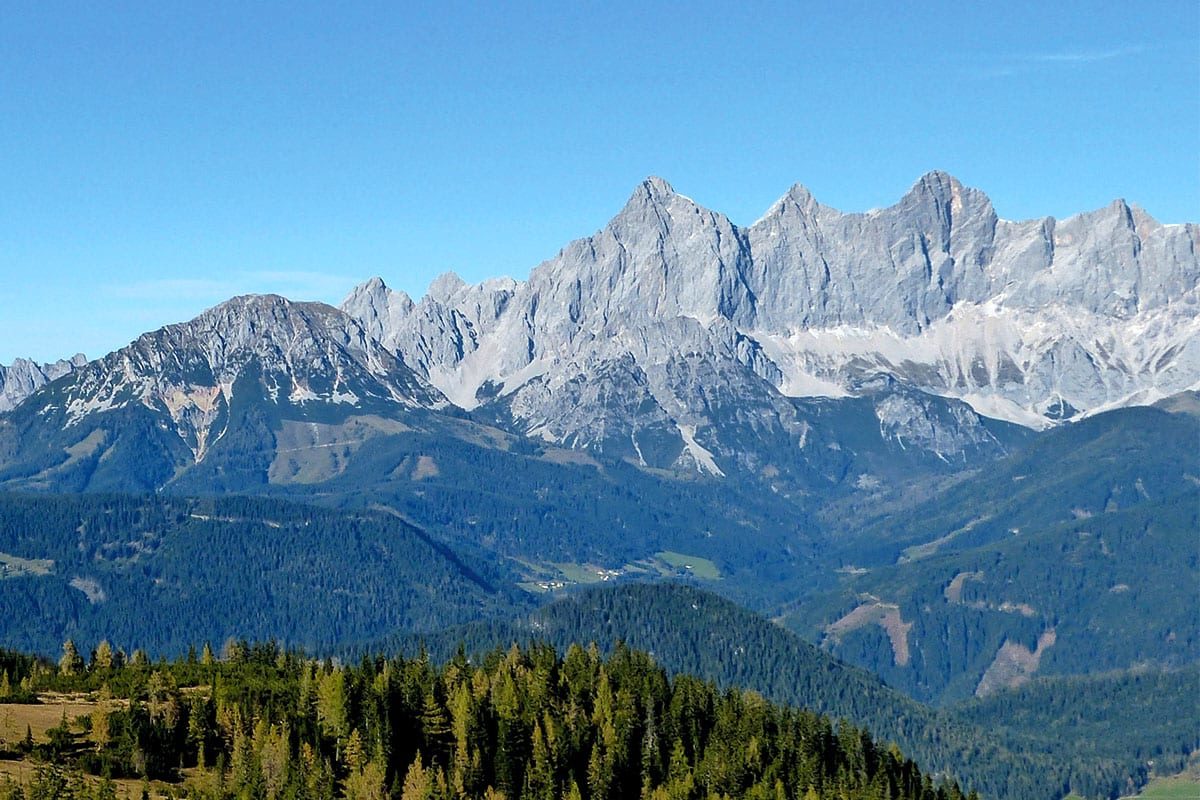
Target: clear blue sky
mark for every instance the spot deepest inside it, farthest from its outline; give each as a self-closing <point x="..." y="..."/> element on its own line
<point x="156" y="158"/>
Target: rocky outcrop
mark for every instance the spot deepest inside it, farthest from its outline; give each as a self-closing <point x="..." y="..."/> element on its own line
<point x="23" y="377"/>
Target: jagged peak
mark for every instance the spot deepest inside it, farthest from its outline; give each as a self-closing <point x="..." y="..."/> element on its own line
<point x="939" y="176"/>
<point x="373" y="290"/>
<point x="797" y="197"/>
<point x="445" y="286"/>
<point x="656" y="186"/>
<point x="936" y="183"/>
<point x="1130" y="214"/>
<point x="653" y="191"/>
<point x="941" y="189"/>
<point x="22" y="363"/>
<point x="800" y="194"/>
<point x="502" y="283"/>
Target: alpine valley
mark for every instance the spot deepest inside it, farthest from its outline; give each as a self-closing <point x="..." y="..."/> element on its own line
<point x="922" y="468"/>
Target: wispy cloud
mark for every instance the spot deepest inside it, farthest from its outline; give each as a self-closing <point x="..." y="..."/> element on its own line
<point x="1079" y="56"/>
<point x="1024" y="63"/>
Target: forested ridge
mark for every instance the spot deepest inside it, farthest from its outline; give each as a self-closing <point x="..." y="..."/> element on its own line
<point x="159" y="572"/>
<point x="1090" y="736"/>
<point x="522" y="724"/>
<point x="1109" y="731"/>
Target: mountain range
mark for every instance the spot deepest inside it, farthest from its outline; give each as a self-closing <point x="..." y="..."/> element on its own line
<point x="1031" y="322"/>
<point x="956" y="450"/>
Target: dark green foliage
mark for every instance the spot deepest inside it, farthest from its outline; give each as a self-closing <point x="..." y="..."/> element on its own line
<point x="1108" y="586"/>
<point x="1090" y="532"/>
<point x="528" y="722"/>
<point x="694" y="632"/>
<point x="1105" y="463"/>
<point x="1118" y="728"/>
<point x="15" y="668"/>
<point x="163" y="571"/>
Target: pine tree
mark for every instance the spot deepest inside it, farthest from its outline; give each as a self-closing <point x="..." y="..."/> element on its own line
<point x="316" y="777"/>
<point x="274" y="756"/>
<point x="463" y="775"/>
<point x="651" y="758"/>
<point x="71" y="662"/>
<point x="435" y="728"/>
<point x="102" y="659"/>
<point x="367" y="783"/>
<point x="599" y="773"/>
<point x="539" y="777"/>
<point x="418" y="783"/>
<point x="331" y="704"/>
<point x="100" y="717"/>
<point x="354" y="754"/>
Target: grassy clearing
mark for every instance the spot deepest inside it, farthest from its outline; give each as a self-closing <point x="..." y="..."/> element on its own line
<point x="22" y="773"/>
<point x="700" y="567"/>
<point x="14" y="717"/>
<point x="553" y="576"/>
<point x="14" y="566"/>
<point x="918" y="551"/>
<point x="1178" y="788"/>
<point x="584" y="573"/>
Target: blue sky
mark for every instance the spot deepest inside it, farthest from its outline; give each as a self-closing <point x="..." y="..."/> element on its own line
<point x="156" y="158"/>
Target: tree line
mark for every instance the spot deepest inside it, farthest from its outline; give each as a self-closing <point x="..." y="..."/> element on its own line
<point x="521" y="723"/>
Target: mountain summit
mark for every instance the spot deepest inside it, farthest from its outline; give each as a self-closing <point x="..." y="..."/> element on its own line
<point x="231" y="377"/>
<point x="670" y="305"/>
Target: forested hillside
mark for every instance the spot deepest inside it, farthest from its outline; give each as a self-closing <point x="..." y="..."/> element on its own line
<point x="1112" y="729"/>
<point x="691" y="631"/>
<point x="160" y="572"/>
<point x="1065" y="558"/>
<point x="520" y="724"/>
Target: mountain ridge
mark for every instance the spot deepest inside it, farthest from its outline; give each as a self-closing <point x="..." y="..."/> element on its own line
<point x="24" y="376"/>
<point x="680" y="341"/>
<point x="1031" y="322"/>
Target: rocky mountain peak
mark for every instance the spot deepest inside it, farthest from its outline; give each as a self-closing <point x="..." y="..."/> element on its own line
<point x="938" y="182"/>
<point x="800" y="196"/>
<point x="656" y="206"/>
<point x="675" y="328"/>
<point x="445" y="286"/>
<point x="24" y="376"/>
<point x="655" y="188"/>
<point x="377" y="307"/>
<point x="944" y="196"/>
<point x="935" y="292"/>
<point x="294" y="354"/>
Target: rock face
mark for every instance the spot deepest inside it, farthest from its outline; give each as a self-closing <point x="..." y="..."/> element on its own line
<point x="23" y="377"/>
<point x="296" y="355"/>
<point x="672" y="327"/>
